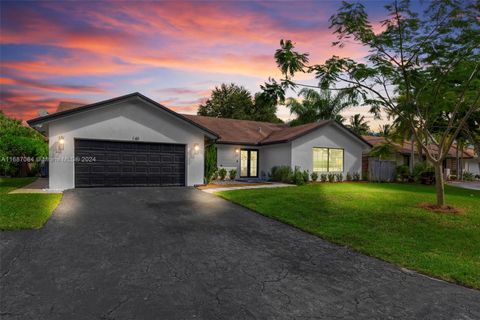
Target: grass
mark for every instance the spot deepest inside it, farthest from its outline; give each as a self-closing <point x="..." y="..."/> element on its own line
<point x="384" y="221"/>
<point x="24" y="211"/>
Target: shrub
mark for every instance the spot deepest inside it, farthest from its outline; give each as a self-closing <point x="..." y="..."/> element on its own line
<point x="364" y="176"/>
<point x="222" y="173"/>
<point x="282" y="174"/>
<point x="314" y="176"/>
<point x="210" y="163"/>
<point x="421" y="168"/>
<point x="356" y="176"/>
<point x="298" y="177"/>
<point x="323" y="177"/>
<point x="339" y="177"/>
<point x="215" y="174"/>
<point x="468" y="176"/>
<point x="232" y="174"/>
<point x="331" y="177"/>
<point x="403" y="173"/>
<point x="348" y="177"/>
<point x="306" y="175"/>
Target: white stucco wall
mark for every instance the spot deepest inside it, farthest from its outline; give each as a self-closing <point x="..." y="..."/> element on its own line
<point x="122" y="121"/>
<point x="330" y="136"/>
<point x="275" y="155"/>
<point x="472" y="165"/>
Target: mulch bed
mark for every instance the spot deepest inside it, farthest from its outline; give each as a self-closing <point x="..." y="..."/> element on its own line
<point x="440" y="209"/>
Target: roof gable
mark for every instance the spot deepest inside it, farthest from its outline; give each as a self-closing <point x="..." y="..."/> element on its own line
<point x="74" y="110"/>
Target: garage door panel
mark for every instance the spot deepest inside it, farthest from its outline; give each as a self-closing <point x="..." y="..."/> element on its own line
<point x="129" y="164"/>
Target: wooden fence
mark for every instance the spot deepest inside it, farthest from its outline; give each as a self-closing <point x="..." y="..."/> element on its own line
<point x="382" y="170"/>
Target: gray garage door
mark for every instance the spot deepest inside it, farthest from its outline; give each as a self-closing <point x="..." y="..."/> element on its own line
<point x="123" y="164"/>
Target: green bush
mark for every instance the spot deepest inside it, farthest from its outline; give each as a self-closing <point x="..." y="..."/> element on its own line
<point x="356" y="176"/>
<point x="232" y="174"/>
<point x="403" y="173"/>
<point x="348" y="177"/>
<point x="18" y="141"/>
<point x="468" y="176"/>
<point x="323" y="177"/>
<point x="339" y="177"/>
<point x="306" y="176"/>
<point x="331" y="177"/>
<point x="421" y="168"/>
<point x="314" y="176"/>
<point x="282" y="174"/>
<point x="222" y="173"/>
<point x="210" y="163"/>
<point x="298" y="177"/>
<point x="364" y="176"/>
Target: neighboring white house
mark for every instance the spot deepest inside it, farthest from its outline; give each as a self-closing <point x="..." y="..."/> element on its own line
<point x="134" y="141"/>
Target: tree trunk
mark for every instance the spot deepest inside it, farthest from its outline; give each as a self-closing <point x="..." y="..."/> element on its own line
<point x="439" y="184"/>
<point x="412" y="153"/>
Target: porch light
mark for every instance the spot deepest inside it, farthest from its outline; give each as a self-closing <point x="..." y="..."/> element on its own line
<point x="237" y="150"/>
<point x="61" y="143"/>
<point x="196" y="147"/>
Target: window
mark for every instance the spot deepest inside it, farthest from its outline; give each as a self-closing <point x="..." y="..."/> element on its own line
<point x="327" y="160"/>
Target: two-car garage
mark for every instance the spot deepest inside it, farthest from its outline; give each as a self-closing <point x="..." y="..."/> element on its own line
<point x="100" y="163"/>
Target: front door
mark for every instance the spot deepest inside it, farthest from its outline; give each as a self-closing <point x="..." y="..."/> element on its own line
<point x="248" y="163"/>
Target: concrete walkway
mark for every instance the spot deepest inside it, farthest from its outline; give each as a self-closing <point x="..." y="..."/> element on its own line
<point x="38" y="186"/>
<point x="272" y="185"/>
<point x="473" y="185"/>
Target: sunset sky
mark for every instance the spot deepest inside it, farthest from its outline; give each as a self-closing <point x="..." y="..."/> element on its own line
<point x="174" y="52"/>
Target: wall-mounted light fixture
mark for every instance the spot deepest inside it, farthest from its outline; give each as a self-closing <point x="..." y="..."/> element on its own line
<point x="61" y="143"/>
<point x="237" y="151"/>
<point x="196" y="148"/>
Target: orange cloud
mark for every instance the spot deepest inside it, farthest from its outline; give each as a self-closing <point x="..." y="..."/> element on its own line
<point x="51" y="87"/>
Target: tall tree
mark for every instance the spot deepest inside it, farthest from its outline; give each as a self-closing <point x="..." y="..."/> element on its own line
<point x="422" y="68"/>
<point x="236" y="102"/>
<point x="358" y="124"/>
<point x="317" y="105"/>
<point x="228" y="101"/>
<point x="264" y="109"/>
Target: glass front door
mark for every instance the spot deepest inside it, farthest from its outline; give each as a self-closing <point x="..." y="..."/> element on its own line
<point x="248" y="163"/>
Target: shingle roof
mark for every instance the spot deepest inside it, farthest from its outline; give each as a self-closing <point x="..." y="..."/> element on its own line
<point x="406" y="146"/>
<point x="238" y="131"/>
<point x="253" y="132"/>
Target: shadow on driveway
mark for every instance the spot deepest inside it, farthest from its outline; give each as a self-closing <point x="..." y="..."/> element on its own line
<point x="177" y="253"/>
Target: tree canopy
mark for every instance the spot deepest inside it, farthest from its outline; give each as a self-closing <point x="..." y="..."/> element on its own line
<point x="17" y="141"/>
<point x="358" y="124"/>
<point x="317" y="105"/>
<point x="236" y="102"/>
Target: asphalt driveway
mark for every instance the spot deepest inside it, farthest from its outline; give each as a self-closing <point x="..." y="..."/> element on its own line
<point x="179" y="253"/>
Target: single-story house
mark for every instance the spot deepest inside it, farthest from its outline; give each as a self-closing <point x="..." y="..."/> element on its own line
<point x="468" y="160"/>
<point x="134" y="141"/>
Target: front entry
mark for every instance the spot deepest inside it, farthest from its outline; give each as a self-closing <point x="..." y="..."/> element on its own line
<point x="248" y="163"/>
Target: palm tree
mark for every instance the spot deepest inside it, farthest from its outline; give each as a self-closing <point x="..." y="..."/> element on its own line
<point x="385" y="130"/>
<point x="290" y="61"/>
<point x="358" y="124"/>
<point x="318" y="105"/>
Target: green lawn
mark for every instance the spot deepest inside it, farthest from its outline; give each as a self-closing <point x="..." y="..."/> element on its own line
<point x="382" y="220"/>
<point x="24" y="211"/>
